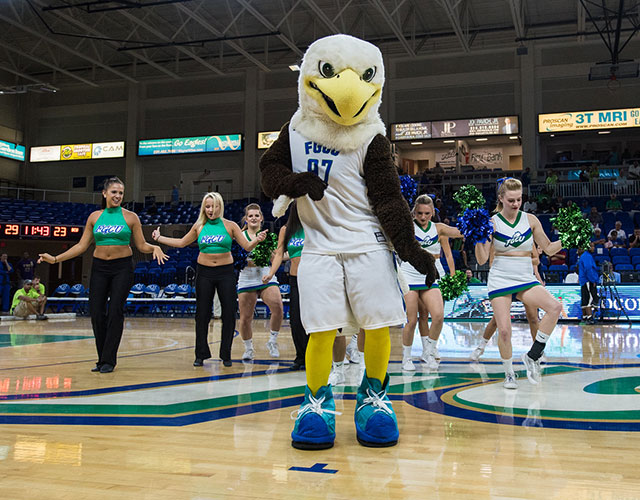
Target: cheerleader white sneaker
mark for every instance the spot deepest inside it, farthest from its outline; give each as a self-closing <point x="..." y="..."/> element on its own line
<point x="272" y="347"/>
<point x="533" y="369"/>
<point x="336" y="377"/>
<point x="353" y="354"/>
<point x="408" y="366"/>
<point x="429" y="359"/>
<point x="248" y="354"/>
<point x="510" y="381"/>
<point x="477" y="353"/>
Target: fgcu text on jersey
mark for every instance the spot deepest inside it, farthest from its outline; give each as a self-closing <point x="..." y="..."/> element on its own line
<point x="517" y="239"/>
<point x="214" y="238"/>
<point x="109" y="229"/>
<point x="312" y="147"/>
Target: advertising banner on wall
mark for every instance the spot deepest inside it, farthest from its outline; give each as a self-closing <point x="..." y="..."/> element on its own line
<point x="471" y="127"/>
<point x="446" y="158"/>
<point x="75" y="152"/>
<point x="44" y="153"/>
<point x="181" y="145"/>
<point x="266" y="139"/>
<point x="66" y="152"/>
<point x="486" y="157"/>
<point x="589" y="120"/>
<point x="11" y="150"/>
<point x="410" y="131"/>
<point x="107" y="150"/>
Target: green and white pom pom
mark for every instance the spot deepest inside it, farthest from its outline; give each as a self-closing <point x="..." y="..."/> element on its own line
<point x="575" y="230"/>
<point x="451" y="287"/>
<point x="469" y="197"/>
<point x="261" y="254"/>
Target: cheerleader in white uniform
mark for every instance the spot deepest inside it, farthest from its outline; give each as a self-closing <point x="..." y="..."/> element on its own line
<point x="250" y="287"/>
<point x="511" y="275"/>
<point x="432" y="237"/>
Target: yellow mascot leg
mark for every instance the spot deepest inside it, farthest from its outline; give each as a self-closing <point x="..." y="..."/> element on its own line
<point x="376" y="422"/>
<point x="315" y="425"/>
<point x="318" y="359"/>
<point x="377" y="349"/>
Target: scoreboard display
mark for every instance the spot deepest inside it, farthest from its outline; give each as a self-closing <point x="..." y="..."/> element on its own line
<point x="40" y="232"/>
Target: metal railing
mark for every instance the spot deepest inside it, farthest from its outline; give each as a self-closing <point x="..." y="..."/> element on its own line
<point x="577" y="189"/>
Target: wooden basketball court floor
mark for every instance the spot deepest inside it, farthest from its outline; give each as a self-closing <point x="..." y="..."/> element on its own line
<point x="158" y="428"/>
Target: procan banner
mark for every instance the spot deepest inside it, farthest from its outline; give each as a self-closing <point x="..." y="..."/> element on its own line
<point x="75" y="152"/>
<point x="589" y="120"/>
<point x="108" y="150"/>
<point x="11" y="150"/>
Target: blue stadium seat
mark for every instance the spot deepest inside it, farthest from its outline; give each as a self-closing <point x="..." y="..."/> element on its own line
<point x="623" y="267"/>
<point x="615" y="252"/>
<point x="633" y="252"/>
<point x="620" y="259"/>
<point x="635" y="260"/>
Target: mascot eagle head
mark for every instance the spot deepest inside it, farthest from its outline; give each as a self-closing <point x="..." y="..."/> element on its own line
<point x="339" y="92"/>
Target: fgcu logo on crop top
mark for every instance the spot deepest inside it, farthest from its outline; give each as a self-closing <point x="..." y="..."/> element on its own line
<point x="427" y="242"/>
<point x="214" y="238"/>
<point x="515" y="240"/>
<point x="296" y="242"/>
<point x="109" y="229"/>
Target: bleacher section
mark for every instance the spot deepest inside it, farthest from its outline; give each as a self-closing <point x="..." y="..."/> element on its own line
<point x="45" y="212"/>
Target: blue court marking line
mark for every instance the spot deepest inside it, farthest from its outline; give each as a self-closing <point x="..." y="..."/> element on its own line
<point x="134" y="387"/>
<point x="315" y="468"/>
<point x="92" y="360"/>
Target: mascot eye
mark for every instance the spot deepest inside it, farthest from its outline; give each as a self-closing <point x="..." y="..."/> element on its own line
<point x="368" y="74"/>
<point x="326" y="69"/>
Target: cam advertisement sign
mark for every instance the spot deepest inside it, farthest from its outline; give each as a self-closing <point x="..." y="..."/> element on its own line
<point x="182" y="145"/>
<point x="95" y="151"/>
<point x="589" y="120"/>
<point x="12" y="151"/>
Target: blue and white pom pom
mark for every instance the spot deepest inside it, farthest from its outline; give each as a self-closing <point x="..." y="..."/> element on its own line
<point x="409" y="188"/>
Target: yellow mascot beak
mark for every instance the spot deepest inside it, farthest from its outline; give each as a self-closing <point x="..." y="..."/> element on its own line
<point x="345" y="97"/>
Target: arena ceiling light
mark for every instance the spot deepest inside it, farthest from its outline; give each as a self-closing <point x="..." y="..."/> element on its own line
<point x="416" y="144"/>
<point x="513" y="137"/>
<point x="480" y="139"/>
<point x="450" y="141"/>
<point x="603" y="132"/>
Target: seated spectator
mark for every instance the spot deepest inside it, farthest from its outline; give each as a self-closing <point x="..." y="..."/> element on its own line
<point x="470" y="277"/>
<point x="594" y="217"/>
<point x="634" y="171"/>
<point x="634" y="239"/>
<point x="24" y="304"/>
<point x="559" y="259"/>
<point x="621" y="234"/>
<point x="584" y="208"/>
<point x="613" y="204"/>
<point x="613" y="241"/>
<point x="530" y="205"/>
<point x="38" y="292"/>
<point x="614" y="276"/>
<point x="552" y="179"/>
<point x="597" y="238"/>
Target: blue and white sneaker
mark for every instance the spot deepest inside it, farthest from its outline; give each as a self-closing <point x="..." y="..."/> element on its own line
<point x="376" y="423"/>
<point x="315" y="427"/>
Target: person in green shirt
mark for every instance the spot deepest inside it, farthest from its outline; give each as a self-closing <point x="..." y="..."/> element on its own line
<point x="613" y="204"/>
<point x="471" y="278"/>
<point x="37" y="292"/>
<point x="24" y="304"/>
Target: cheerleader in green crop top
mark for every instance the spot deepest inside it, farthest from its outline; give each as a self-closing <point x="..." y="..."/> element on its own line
<point x="215" y="273"/>
<point x="290" y="243"/>
<point x="511" y="274"/>
<point x="112" y="229"/>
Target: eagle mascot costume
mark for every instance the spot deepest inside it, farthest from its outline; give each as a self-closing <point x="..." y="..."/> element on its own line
<point x="334" y="159"/>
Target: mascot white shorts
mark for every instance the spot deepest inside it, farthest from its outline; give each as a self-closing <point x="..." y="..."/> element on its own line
<point x="510" y="275"/>
<point x="250" y="279"/>
<point x="349" y="290"/>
